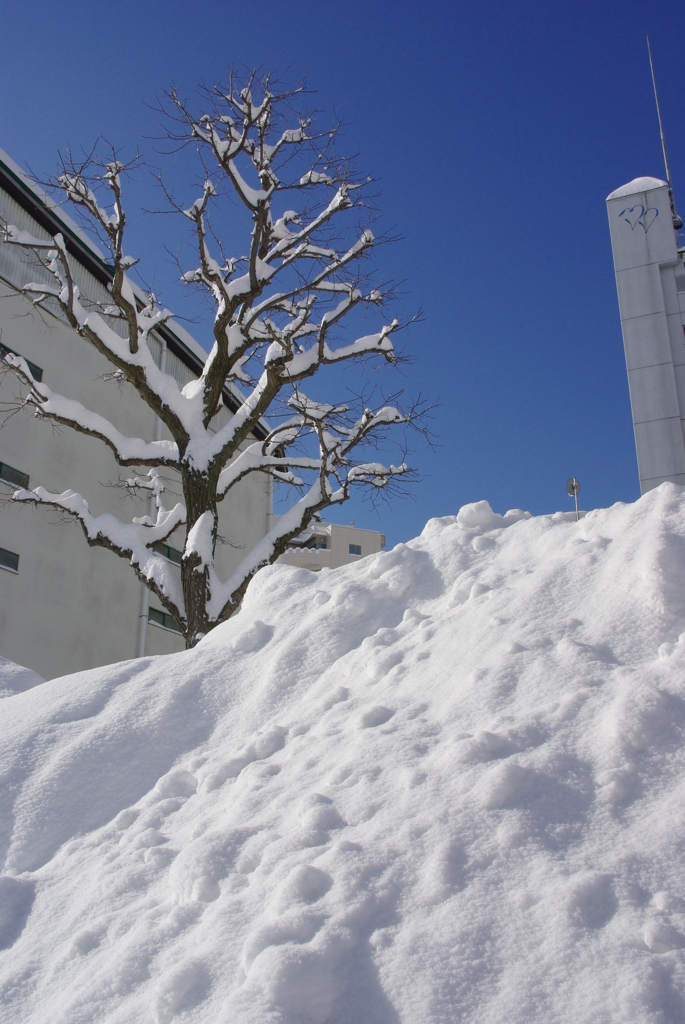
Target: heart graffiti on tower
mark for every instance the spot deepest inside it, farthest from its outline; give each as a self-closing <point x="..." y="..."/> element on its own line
<point x="635" y="215"/>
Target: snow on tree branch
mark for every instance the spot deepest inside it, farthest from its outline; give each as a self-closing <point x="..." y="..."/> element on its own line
<point x="132" y="541"/>
<point x="128" y="451"/>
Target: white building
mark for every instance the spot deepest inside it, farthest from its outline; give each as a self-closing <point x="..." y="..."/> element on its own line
<point x="328" y="545"/>
<point x="63" y="605"/>
<point x="650" y="278"/>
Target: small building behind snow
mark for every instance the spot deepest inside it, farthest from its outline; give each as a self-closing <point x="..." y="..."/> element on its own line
<point x="329" y="545"/>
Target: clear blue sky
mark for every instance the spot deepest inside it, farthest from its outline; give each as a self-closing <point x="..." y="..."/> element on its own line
<point x="496" y="128"/>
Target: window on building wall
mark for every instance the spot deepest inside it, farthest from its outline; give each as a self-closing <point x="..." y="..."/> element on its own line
<point x="8" y="560"/>
<point x="321" y="543"/>
<point x="355" y="549"/>
<point x="163" y="619"/>
<point x="172" y="554"/>
<point x="36" y="371"/>
<point x="10" y="475"/>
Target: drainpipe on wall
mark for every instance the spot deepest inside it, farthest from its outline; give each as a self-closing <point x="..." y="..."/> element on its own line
<point x="145" y="593"/>
<point x="269" y="502"/>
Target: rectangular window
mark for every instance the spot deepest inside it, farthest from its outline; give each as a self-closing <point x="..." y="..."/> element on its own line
<point x="13" y="476"/>
<point x="35" y="370"/>
<point x="8" y="560"/>
<point x="321" y="543"/>
<point x="355" y="549"/>
<point x="163" y="619"/>
<point x="168" y="552"/>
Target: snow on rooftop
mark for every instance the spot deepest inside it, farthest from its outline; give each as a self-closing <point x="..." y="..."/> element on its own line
<point x="637" y="185"/>
<point x="446" y="783"/>
<point x="60" y="211"/>
<point x="48" y="201"/>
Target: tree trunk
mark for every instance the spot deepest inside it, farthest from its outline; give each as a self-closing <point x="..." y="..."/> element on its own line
<point x="199" y="490"/>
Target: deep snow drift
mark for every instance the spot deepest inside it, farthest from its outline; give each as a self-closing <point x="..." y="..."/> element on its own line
<point x="444" y="784"/>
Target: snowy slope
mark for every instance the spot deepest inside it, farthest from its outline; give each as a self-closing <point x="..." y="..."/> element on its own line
<point x="443" y="784"/>
<point x="14" y="678"/>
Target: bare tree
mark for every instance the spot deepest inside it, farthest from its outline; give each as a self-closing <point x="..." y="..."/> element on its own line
<point x="277" y="309"/>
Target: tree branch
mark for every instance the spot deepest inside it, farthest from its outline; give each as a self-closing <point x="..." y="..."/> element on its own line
<point x="132" y="541"/>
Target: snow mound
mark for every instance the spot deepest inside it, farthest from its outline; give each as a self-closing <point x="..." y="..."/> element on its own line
<point x="443" y="784"/>
<point x="15" y="678"/>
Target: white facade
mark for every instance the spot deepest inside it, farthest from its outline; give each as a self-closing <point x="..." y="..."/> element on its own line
<point x="69" y="606"/>
<point x="328" y="545"/>
<point x="650" y="278"/>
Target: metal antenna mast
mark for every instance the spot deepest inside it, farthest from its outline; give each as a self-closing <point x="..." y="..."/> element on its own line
<point x="677" y="222"/>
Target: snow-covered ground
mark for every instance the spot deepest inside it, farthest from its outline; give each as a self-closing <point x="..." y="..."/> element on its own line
<point x="445" y="784"/>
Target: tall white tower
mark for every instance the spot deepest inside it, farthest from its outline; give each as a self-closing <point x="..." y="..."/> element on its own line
<point x="650" y="278"/>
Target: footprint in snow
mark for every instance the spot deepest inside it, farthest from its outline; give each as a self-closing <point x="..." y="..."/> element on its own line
<point x="253" y="638"/>
<point x="592" y="901"/>
<point x="660" y="937"/>
<point x="125" y="819"/>
<point x="150" y="837"/>
<point x="204" y="863"/>
<point x="296" y="926"/>
<point x="667" y="650"/>
<point x="84" y="942"/>
<point x="159" y="856"/>
<point x="317" y="811"/>
<point x="180" y="990"/>
<point x="178" y="783"/>
<point x="318" y="816"/>
<point x="483" y="746"/>
<point x="504" y="785"/>
<point x="304" y="884"/>
<point x="667" y="903"/>
<point x="465" y="592"/>
<point x="377" y="670"/>
<point x="377" y="715"/>
<point x="339" y="695"/>
<point x="343" y="776"/>
<point x="616" y="785"/>
<point x="262" y="744"/>
<point x="413" y="617"/>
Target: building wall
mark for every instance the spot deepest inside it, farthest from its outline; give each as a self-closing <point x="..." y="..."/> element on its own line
<point x="72" y="607"/>
<point x="650" y="279"/>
